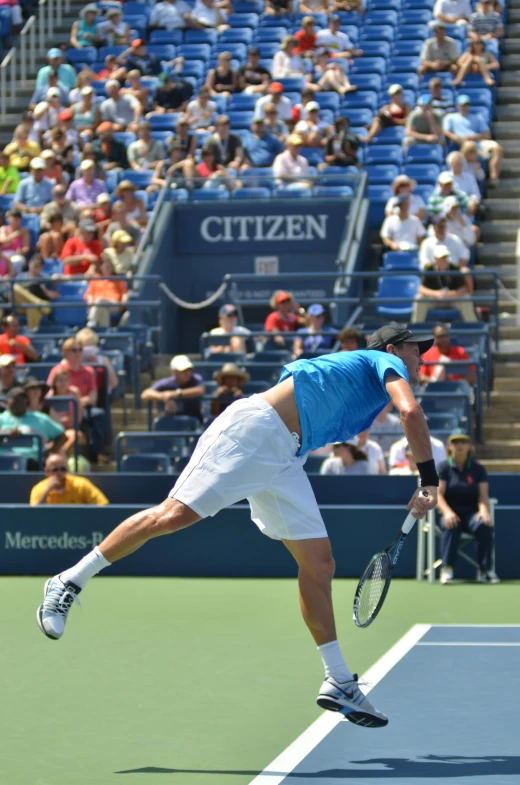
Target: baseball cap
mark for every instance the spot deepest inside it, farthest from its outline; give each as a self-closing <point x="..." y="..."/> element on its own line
<point x="100" y="198"/>
<point x="181" y="363"/>
<point x="86" y="164"/>
<point x="227" y="310"/>
<point x="276" y="87"/>
<point x="313" y="106"/>
<point x="445" y="177"/>
<point x="395" y="88"/>
<point x="294" y="139"/>
<point x="7" y="359"/>
<point x="436" y="23"/>
<point x="47" y="154"/>
<point x="282" y="297"/>
<point x="87" y="90"/>
<point x="459" y="435"/>
<point x="37" y="163"/>
<point x="137" y="43"/>
<point x="52" y="92"/>
<point x="440" y="252"/>
<point x="463" y="99"/>
<point x="316" y="310"/>
<point x="87" y="226"/>
<point x="394" y="334"/>
<point x="449" y="204"/>
<point x="65" y="115"/>
<point x="54" y="52"/>
<point x="424" y="100"/>
<point x="120" y="236"/>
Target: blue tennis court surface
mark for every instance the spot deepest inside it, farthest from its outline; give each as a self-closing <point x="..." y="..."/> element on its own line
<point x="452" y="695"/>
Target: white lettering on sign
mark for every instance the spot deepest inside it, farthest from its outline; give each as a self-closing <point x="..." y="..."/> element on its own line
<point x="259" y="228"/>
<point x="20" y="541"/>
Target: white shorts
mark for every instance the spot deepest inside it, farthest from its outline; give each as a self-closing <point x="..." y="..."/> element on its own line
<point x="248" y="453"/>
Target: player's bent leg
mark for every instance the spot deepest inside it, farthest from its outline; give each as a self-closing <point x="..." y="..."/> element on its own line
<point x="340" y="691"/>
<point x="62" y="591"/>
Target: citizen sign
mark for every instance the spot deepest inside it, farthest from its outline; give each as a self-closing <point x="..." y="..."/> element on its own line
<point x="20" y="541"/>
<point x="261" y="228"/>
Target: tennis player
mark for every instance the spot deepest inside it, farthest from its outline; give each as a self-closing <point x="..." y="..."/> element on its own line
<point x="256" y="449"/>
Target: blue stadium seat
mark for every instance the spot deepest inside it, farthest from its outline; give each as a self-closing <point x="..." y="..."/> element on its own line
<point x="178" y="195"/>
<point x="32" y="222"/>
<point x="126" y="137"/>
<point x="242" y="102"/>
<point x="200" y="37"/>
<point x="361" y="99"/>
<point x="238" y="51"/>
<point x="350" y="18"/>
<point x="267" y="20"/>
<point x="12" y="462"/>
<point x="268" y="48"/>
<point x="176" y="422"/>
<point x="424" y="191"/>
<point x="294" y="193"/>
<point x="320" y="18"/>
<point x="195" y="51"/>
<point x="407" y="48"/>
<point x="369" y="65"/>
<point x="338" y="191"/>
<point x="269" y="34"/>
<point x="245" y="20"/>
<point x="378" y="196"/>
<point x="328" y="101"/>
<point x="237" y="35"/>
<point x="86" y="55"/>
<point x="166" y="37"/>
<point x="240" y="119"/>
<point x="137" y="8"/>
<point x="393" y="135"/>
<point x="406" y="32"/>
<point x="110" y="50"/>
<point x="376" y="48"/>
<point x="146" y="463"/>
<point x="209" y="195"/>
<point x="52" y="267"/>
<point x="401" y="260"/>
<point x="163" y="122"/>
<point x="358" y="117"/>
<point x="352" y="32"/>
<point x="339" y="175"/>
<point x="383" y="5"/>
<point x="251" y="193"/>
<point x="292" y="83"/>
<point x="381" y="153"/>
<point x="196" y="68"/>
<point x="258" y="177"/>
<point x="377" y="33"/>
<point x="425" y="154"/>
<point x="112" y="176"/>
<point x="71" y="292"/>
<point x="367" y="82"/>
<point x="443" y="314"/>
<point x="161" y="136"/>
<point x="381" y="17"/>
<point x="248" y="7"/>
<point x="442" y="421"/>
<point x="407" y="80"/>
<point x="416" y="16"/>
<point x="139" y="178"/>
<point x="426" y="174"/>
<point x="162" y="51"/>
<point x="314" y="155"/>
<point x="381" y="174"/>
<point x="405" y="64"/>
<point x="6" y="202"/>
<point x="138" y="23"/>
<point x="403" y="287"/>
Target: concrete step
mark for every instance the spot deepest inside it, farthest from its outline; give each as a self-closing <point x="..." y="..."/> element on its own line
<point x="509" y="112"/>
<point x="510" y="78"/>
<point x="504" y="129"/>
<point x="511" y="146"/>
<point x="501" y="431"/>
<point x="501" y="465"/>
<point x="500" y="449"/>
<point x="510" y="61"/>
<point x="508" y="370"/>
<point x="512" y="46"/>
<point x="507" y="384"/>
<point x="511" y="333"/>
<point x="500" y="207"/>
<point x="509" y="399"/>
<point x="500" y="230"/>
<point x="507" y="94"/>
<point x="496" y="252"/>
<point x="513" y="16"/>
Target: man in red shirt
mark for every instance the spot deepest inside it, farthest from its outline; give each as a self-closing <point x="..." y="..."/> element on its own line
<point x="79" y="254"/>
<point x="11" y="342"/>
<point x="443" y="352"/>
<point x="306" y="37"/>
<point x="283" y="318"/>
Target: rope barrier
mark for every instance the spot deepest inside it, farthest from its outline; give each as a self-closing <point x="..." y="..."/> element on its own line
<point x="194" y="306"/>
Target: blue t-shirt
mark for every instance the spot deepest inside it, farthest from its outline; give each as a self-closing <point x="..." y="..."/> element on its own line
<point x="465" y="126"/>
<point x="339" y="395"/>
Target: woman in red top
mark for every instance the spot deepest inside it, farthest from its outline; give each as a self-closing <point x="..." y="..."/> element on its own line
<point x="391" y="114"/>
<point x="283" y="318"/>
<point x="210" y="170"/>
<point x="306" y="37"/>
<point x="81" y="255"/>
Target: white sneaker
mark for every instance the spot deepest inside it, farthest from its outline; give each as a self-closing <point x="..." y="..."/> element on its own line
<point x="58" y="598"/>
<point x="347" y="698"/>
<point x="487" y="576"/>
<point x="446" y="575"/>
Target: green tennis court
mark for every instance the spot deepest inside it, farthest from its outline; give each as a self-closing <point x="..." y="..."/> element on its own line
<point x="203" y="681"/>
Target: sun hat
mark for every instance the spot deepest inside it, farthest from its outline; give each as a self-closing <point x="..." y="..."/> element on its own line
<point x="231" y="369"/>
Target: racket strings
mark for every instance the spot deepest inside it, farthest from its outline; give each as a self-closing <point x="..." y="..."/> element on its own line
<point x="373" y="588"/>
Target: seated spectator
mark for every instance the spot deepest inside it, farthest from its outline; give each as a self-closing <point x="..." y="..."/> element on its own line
<point x="22" y="150"/>
<point x="452" y="12"/>
<point x="469" y="151"/>
<point x="312" y="130"/>
<point x="439" y="53"/>
<point x="134" y="205"/>
<point x="137" y="89"/>
<point x="66" y="73"/>
<point x="47" y="112"/>
<point x="185" y="137"/>
<point x="100" y="292"/>
<point x="174" y="168"/>
<point x="449" y="283"/>
<point x="102" y="215"/>
<point x="120" y="253"/>
<point x="385" y="427"/>
<point x="278" y="7"/>
<point x="374" y="453"/>
<point x="172" y="15"/>
<point x="86" y="114"/>
<point x="145" y="153"/>
<point x="114" y="31"/>
<point x="461" y="126"/>
<point x="464" y="180"/>
<point x="407" y="467"/>
<point x="8" y="378"/>
<point x="346" y="458"/>
<point x="112" y="70"/>
<point x="230" y="380"/>
<point x="60" y="487"/>
<point x="476" y="60"/>
<point x="53" y="170"/>
<point x="35" y="390"/>
<point x="60" y="204"/>
<point x="88" y="153"/>
<point x="442" y="104"/>
<point x="335" y="41"/>
<point x="400" y="230"/>
<point x="84" y="31"/>
<point x="313" y="6"/>
<point x="123" y="111"/>
<point x="459" y="224"/>
<point x="66" y="119"/>
<point x="349" y="339"/>
<point x="181" y="392"/>
<point x="391" y="114"/>
<point x="485" y="22"/>
<point x="50" y="244"/>
<point x="110" y="152"/>
<point x="17" y="420"/>
<point x="89" y="341"/>
<point x="261" y="147"/>
<point x="201" y="112"/>
<point x="228" y="326"/>
<point x="404" y="186"/>
<point x="34" y="191"/>
<point x="81" y="254"/>
<point x="9" y="175"/>
<point x="69" y="417"/>
<point x="222" y="80"/>
<point x="341" y="145"/>
<point x="208" y="173"/>
<point x="444" y="352"/>
<point x="423" y="124"/>
<point x="253" y="78"/>
<point x="285" y="61"/>
<point x="27" y="126"/>
<point x="84" y="192"/>
<point x="397" y="451"/>
<point x="227" y="146"/>
<point x="29" y="289"/>
<point x="83" y="79"/>
<point x="285" y="317"/>
<point x="444" y="190"/>
<point x="208" y="14"/>
<point x="464" y="507"/>
<point x="172" y="95"/>
<point x="277" y="98"/>
<point x="120" y="221"/>
<point x="12" y="343"/>
<point x="329" y="74"/>
<point x="305" y="37"/>
<point x="14" y="238"/>
<point x="40" y="93"/>
<point x="63" y="147"/>
<point x="273" y="125"/>
<point x="439" y="235"/>
<point x="290" y="168"/>
<point x="316" y="336"/>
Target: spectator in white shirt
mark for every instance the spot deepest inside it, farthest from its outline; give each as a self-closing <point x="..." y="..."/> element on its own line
<point x="407" y="467"/>
<point x="464" y="180"/>
<point x="374" y="451"/>
<point x="438" y="235"/>
<point x="402" y="231"/>
<point x="397" y="451"/>
<point x="201" y="112"/>
<point x="277" y="98"/>
<point x="459" y="224"/>
<point x="335" y="41"/>
<point x="404" y="186"/>
<point x="285" y="62"/>
<point x="172" y="15"/>
<point x="452" y="12"/>
<point x="346" y="458"/>
<point x="289" y="167"/>
<point x="312" y="130"/>
<point x="123" y="111"/>
<point x="207" y="14"/>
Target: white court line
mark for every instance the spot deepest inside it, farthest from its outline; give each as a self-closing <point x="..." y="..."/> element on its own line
<point x="464" y="643"/>
<point x="287" y="761"/>
<point x="498" y="626"/>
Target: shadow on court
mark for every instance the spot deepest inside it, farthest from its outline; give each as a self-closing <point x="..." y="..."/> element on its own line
<point x="435" y="766"/>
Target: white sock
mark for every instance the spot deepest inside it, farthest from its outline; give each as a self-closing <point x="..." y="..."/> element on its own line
<point x="334" y="663"/>
<point x="89" y="566"/>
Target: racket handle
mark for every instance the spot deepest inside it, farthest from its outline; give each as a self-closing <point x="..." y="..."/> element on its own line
<point x="410" y="520"/>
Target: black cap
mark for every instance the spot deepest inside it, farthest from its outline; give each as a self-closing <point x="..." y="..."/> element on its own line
<point x="253" y="50"/>
<point x="394" y="334"/>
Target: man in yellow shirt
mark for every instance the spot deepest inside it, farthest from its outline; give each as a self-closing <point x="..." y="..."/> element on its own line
<point x="63" y="488"/>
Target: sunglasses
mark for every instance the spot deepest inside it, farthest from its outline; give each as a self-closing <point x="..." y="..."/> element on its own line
<point x="57" y="469"/>
<point x="459" y="441"/>
<point x="232" y="313"/>
<point x="76" y="349"/>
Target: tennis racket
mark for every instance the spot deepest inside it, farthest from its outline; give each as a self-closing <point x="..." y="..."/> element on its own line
<point x="374" y="583"/>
